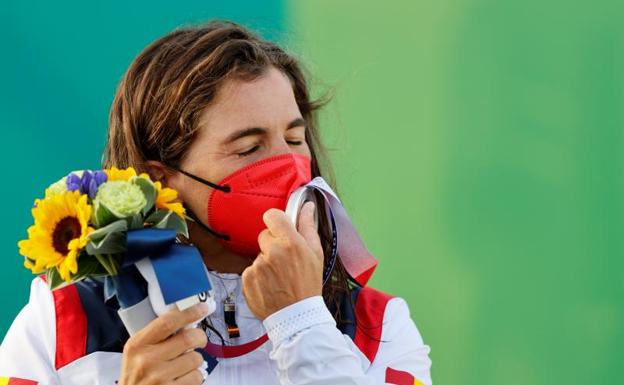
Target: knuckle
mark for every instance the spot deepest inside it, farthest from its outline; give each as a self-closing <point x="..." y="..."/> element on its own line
<point x="196" y="337"/>
<point x="141" y="365"/>
<point x="196" y="359"/>
<point x="290" y="246"/>
<point x="168" y="324"/>
<point x="267" y="246"/>
<point x="277" y="248"/>
<point x="247" y="274"/>
<point x="196" y="377"/>
<point x="187" y="338"/>
<point x="259" y="263"/>
<point x="263" y="235"/>
<point x="130" y="346"/>
<point x="151" y="378"/>
<point x="203" y="338"/>
<point x="264" y="266"/>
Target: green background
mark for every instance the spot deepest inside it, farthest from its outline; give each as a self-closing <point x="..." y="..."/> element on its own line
<point x="478" y="147"/>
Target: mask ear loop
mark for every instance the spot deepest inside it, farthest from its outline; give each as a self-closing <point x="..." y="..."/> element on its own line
<point x="201" y="224"/>
<point x="225" y="188"/>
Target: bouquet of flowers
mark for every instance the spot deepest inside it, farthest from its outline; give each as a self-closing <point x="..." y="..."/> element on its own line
<point x="81" y="226"/>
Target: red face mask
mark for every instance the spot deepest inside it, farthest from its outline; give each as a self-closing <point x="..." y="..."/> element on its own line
<point x="237" y="203"/>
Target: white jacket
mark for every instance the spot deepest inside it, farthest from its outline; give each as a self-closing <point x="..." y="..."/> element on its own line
<point x="50" y="342"/>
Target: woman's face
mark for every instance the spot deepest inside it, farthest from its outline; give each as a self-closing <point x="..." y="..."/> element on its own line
<point x="248" y="121"/>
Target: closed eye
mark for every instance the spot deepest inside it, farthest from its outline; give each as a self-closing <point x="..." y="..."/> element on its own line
<point x="248" y="152"/>
<point x="256" y="147"/>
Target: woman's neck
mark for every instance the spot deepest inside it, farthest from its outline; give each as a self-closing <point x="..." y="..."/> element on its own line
<point x="216" y="257"/>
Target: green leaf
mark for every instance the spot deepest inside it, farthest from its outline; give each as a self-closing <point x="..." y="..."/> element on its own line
<point x="149" y="190"/>
<point x="135" y="221"/>
<point x="173" y="221"/>
<point x="114" y="227"/>
<point x="156" y="217"/>
<point x="112" y="243"/>
<point x="54" y="279"/>
<point x="162" y="223"/>
<point x="178" y="223"/>
<point x="88" y="266"/>
<point x="109" y="263"/>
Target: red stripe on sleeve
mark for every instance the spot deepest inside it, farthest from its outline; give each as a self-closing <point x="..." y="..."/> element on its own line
<point x="398" y="377"/>
<point x="370" y="307"/>
<point x="71" y="325"/>
<point x="20" y="381"/>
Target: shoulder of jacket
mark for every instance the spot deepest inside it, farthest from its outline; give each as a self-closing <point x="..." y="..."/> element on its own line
<point x="84" y="323"/>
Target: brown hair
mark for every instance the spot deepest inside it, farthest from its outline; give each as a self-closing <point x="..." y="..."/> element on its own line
<point x="159" y="99"/>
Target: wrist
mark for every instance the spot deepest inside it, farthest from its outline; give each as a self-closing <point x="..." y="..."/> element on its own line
<point x="292" y="319"/>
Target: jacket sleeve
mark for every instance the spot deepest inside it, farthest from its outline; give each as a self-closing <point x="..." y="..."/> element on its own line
<point x="308" y="348"/>
<point x="28" y="349"/>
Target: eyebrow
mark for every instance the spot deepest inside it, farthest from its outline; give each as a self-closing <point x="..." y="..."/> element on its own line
<point x="259" y="130"/>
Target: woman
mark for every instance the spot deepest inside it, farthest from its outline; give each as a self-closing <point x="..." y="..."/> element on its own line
<point x="196" y="107"/>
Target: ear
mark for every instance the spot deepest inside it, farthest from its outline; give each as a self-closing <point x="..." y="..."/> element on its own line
<point x="157" y="171"/>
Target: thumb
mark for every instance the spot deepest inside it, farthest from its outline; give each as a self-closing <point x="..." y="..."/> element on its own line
<point x="307" y="227"/>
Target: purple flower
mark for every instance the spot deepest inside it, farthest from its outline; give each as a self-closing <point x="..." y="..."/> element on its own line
<point x="88" y="183"/>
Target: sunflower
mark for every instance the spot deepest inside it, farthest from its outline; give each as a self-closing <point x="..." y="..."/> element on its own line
<point x="58" y="235"/>
<point x="165" y="200"/>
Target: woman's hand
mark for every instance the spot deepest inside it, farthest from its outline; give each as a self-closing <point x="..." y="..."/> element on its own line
<point x="289" y="267"/>
<point x="161" y="353"/>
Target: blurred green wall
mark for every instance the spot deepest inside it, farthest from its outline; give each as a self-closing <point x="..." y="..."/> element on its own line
<point x="478" y="146"/>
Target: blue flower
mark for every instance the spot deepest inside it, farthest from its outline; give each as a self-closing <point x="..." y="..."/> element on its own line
<point x="87" y="183"/>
